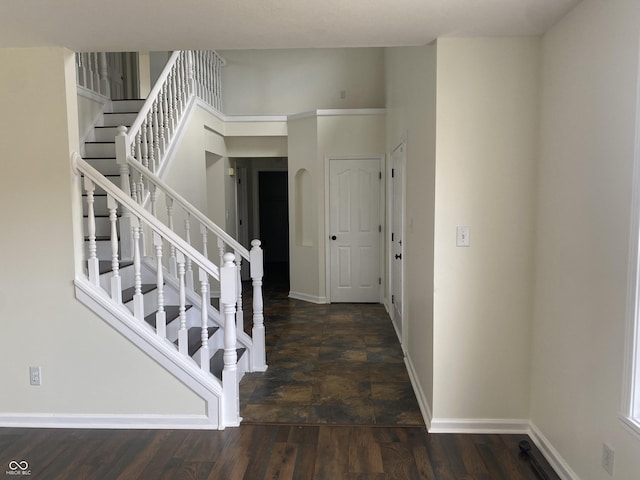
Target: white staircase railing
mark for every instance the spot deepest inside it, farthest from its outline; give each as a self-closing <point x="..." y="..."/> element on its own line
<point x="144" y="185"/>
<point x="93" y="73"/>
<point x="165" y="239"/>
<point x="187" y="74"/>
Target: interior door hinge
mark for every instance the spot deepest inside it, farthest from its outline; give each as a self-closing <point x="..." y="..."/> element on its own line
<point x="379" y="228"/>
<point x="392" y="236"/>
<point x="379" y="280"/>
<point x="393" y="172"/>
<point x="380" y="175"/>
<point x="393" y="298"/>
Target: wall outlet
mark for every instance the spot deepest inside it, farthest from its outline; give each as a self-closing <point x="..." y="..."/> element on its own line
<point x="607" y="459"/>
<point x="35" y="375"/>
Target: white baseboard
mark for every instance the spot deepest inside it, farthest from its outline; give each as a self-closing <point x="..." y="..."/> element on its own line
<point x="556" y="461"/>
<point x="423" y="402"/>
<point x="307" y="298"/>
<point x="156" y="422"/>
<point x="479" y="425"/>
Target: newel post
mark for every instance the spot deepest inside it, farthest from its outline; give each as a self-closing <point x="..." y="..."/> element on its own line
<point x="258" y="355"/>
<point x="230" y="388"/>
<point x="126" y="230"/>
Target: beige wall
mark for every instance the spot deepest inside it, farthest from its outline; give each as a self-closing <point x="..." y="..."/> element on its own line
<point x="588" y="128"/>
<point x="487" y="122"/>
<point x="292" y="81"/>
<point x="87" y="367"/>
<point x="411" y="115"/>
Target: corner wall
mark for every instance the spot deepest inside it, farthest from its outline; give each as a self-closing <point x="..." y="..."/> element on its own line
<point x="589" y="99"/>
<point x="486" y="149"/>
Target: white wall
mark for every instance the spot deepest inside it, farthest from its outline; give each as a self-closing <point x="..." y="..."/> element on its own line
<point x="486" y="144"/>
<point x="87" y="367"/>
<point x="411" y="115"/>
<point x="291" y="81"/>
<point x="589" y="85"/>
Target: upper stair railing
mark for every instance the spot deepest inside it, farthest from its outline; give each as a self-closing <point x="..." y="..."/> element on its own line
<point x="164" y="238"/>
<point x="93" y="73"/>
<point x="187" y="74"/>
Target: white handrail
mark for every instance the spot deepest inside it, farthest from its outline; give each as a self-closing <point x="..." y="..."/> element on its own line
<point x="80" y="165"/>
<point x="193" y="211"/>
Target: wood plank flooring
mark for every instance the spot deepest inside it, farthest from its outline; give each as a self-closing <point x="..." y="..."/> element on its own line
<point x="256" y="452"/>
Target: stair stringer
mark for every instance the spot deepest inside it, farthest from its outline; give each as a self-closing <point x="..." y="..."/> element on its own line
<point x="203" y="384"/>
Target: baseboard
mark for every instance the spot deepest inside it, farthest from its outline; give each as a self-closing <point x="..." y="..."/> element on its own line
<point x="156" y="422"/>
<point x="556" y="461"/>
<point x="307" y="298"/>
<point x="479" y="425"/>
<point x="423" y="403"/>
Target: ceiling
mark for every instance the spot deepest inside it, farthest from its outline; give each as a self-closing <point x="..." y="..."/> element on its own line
<point x="141" y="25"/>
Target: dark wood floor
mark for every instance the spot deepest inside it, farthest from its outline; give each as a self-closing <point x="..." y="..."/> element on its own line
<point x="256" y="452"/>
<point x="335" y="404"/>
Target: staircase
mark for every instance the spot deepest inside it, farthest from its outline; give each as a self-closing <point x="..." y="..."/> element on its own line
<point x="140" y="274"/>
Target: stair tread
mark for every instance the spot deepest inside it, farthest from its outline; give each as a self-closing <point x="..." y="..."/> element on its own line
<point x="104" y="266"/>
<point x="171" y="313"/>
<point x="127" y="293"/>
<point x="194" y="338"/>
<point x="216" y="363"/>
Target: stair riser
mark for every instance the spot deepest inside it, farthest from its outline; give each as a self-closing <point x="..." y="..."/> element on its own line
<point x="100" y="150"/>
<point x="193" y="320"/>
<point x="106" y="166"/>
<point x="126" y="106"/>
<point x="117" y="119"/>
<point x="103" y="226"/>
<point x="105" y="134"/>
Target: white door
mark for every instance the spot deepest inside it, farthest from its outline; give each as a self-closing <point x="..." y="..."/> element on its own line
<point x="354" y="230"/>
<point x="397" y="229"/>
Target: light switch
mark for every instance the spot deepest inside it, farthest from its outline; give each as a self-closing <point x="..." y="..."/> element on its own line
<point x="462" y="236"/>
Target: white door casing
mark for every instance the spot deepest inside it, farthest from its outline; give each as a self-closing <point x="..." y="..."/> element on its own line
<point x="354" y="229"/>
<point x="398" y="157"/>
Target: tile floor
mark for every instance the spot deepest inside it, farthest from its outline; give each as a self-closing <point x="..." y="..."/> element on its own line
<point x="328" y="364"/>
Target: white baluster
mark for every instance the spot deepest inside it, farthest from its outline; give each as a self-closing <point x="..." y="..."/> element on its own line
<point x="138" y="299"/>
<point x="103" y="73"/>
<point x="259" y="353"/>
<point x="204" y="321"/>
<point x="92" y="260"/>
<point x="156" y="137"/>
<point x="161" y="315"/>
<point x="171" y="103"/>
<point x="150" y="142"/>
<point x="116" y="282"/>
<point x="172" y="249"/>
<point x="153" y="192"/>
<point x="187" y="229"/>
<point x="203" y="234"/>
<point x="144" y="144"/>
<point x="190" y="77"/>
<point x="166" y="133"/>
<point x="230" y="371"/>
<point x="221" y="250"/>
<point x="138" y="147"/>
<point x="183" y="338"/>
<point x="239" y="309"/>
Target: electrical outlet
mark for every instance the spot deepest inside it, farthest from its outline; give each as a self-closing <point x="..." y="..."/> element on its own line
<point x="35" y="375"/>
<point x="607" y="459"/>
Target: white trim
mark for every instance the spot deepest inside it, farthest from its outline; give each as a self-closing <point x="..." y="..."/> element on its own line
<point x="305" y="297"/>
<point x="479" y="425"/>
<point x="91" y="95"/>
<point x="110" y="421"/>
<point x="337" y="112"/>
<point x="254" y="118"/>
<point x="556" y="461"/>
<point x="630" y="387"/>
<point x="423" y="401"/>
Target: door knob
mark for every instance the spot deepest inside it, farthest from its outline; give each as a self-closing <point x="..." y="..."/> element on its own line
<point x="333" y="237"/>
<point x="398" y="255"/>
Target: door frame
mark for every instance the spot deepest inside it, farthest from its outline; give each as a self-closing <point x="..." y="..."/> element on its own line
<point x="390" y="254"/>
<point x="327" y="218"/>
